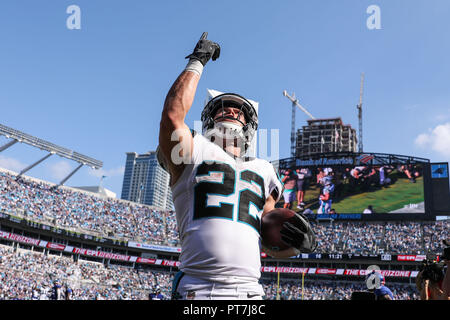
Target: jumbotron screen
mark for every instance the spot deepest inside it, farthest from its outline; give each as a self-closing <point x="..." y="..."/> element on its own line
<point x="346" y="189"/>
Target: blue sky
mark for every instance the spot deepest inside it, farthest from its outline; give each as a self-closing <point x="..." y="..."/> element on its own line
<point x="100" y="90"/>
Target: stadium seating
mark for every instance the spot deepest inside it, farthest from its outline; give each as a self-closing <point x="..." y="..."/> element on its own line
<point x="73" y="209"/>
<point x="26" y="275"/>
<point x="30" y="275"/>
<point x="329" y="290"/>
<point x="84" y="211"/>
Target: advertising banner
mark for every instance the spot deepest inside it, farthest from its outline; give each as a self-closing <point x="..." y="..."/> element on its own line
<point x="173" y="263"/>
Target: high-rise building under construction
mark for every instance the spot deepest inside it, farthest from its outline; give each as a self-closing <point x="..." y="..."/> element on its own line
<point x="324" y="136"/>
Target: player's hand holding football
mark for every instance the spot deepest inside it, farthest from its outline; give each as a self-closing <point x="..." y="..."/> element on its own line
<point x="299" y="234"/>
<point x="205" y="50"/>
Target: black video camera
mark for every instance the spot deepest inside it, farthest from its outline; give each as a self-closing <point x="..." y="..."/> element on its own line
<point x="431" y="269"/>
<point x="446" y="255"/>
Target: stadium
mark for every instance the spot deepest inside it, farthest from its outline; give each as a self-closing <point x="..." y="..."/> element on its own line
<point x="91" y="246"/>
<point x="98" y="81"/>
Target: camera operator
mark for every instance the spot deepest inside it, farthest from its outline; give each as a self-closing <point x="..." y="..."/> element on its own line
<point x="446" y="281"/>
<point x="433" y="281"/>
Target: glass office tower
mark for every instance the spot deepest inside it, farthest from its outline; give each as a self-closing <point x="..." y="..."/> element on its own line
<point x="145" y="181"/>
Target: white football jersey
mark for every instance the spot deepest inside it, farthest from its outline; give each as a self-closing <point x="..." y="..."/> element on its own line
<point x="219" y="201"/>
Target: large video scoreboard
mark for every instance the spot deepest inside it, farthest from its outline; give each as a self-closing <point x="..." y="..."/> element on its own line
<point x="369" y="186"/>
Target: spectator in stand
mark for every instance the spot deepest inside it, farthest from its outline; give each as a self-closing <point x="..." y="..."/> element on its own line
<point x="35" y="293"/>
<point x="68" y="292"/>
<point x="156" y="294"/>
<point x="56" y="291"/>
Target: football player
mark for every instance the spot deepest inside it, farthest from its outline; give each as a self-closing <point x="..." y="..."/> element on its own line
<point x="302" y="185"/>
<point x="289" y="179"/>
<point x="219" y="193"/>
<point x="325" y="198"/>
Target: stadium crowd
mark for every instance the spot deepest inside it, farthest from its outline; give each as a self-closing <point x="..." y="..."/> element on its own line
<point x="73" y="209"/>
<point x="27" y="275"/>
<point x="379" y="238"/>
<point x="328" y="290"/>
<point x="68" y="208"/>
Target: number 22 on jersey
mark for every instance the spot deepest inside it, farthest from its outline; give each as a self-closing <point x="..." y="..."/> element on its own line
<point x="219" y="180"/>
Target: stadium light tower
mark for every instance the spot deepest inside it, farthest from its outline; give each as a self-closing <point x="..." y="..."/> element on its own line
<point x="295" y="103"/>
<point x="359" y="107"/>
<point x="51" y="148"/>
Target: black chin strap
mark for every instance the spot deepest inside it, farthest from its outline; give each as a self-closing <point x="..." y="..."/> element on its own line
<point x="244" y="126"/>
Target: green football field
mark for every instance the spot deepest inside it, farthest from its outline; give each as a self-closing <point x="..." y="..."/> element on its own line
<point x="383" y="200"/>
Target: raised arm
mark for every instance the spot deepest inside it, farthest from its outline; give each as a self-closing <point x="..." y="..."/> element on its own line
<point x="175" y="138"/>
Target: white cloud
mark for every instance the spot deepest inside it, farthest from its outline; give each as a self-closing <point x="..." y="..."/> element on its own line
<point x="107" y="172"/>
<point x="442" y="116"/>
<point x="11" y="164"/>
<point x="422" y="140"/>
<point x="60" y="169"/>
<point x="437" y="139"/>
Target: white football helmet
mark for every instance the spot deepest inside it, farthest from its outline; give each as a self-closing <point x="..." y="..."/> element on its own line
<point x="216" y="128"/>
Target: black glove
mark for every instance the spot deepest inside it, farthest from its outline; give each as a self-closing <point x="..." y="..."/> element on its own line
<point x="297" y="233"/>
<point x="205" y="50"/>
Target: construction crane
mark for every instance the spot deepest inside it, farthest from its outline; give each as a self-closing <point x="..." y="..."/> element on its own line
<point x="359" y="107"/>
<point x="295" y="103"/>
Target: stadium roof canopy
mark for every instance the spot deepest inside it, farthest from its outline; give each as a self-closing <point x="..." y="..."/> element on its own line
<point x="18" y="136"/>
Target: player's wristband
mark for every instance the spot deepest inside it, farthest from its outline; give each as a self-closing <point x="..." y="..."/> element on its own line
<point x="195" y="66"/>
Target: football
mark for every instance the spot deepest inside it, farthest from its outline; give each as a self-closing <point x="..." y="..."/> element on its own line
<point x="271" y="224"/>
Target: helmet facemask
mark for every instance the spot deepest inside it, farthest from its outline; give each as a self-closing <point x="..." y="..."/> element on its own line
<point x="216" y="127"/>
